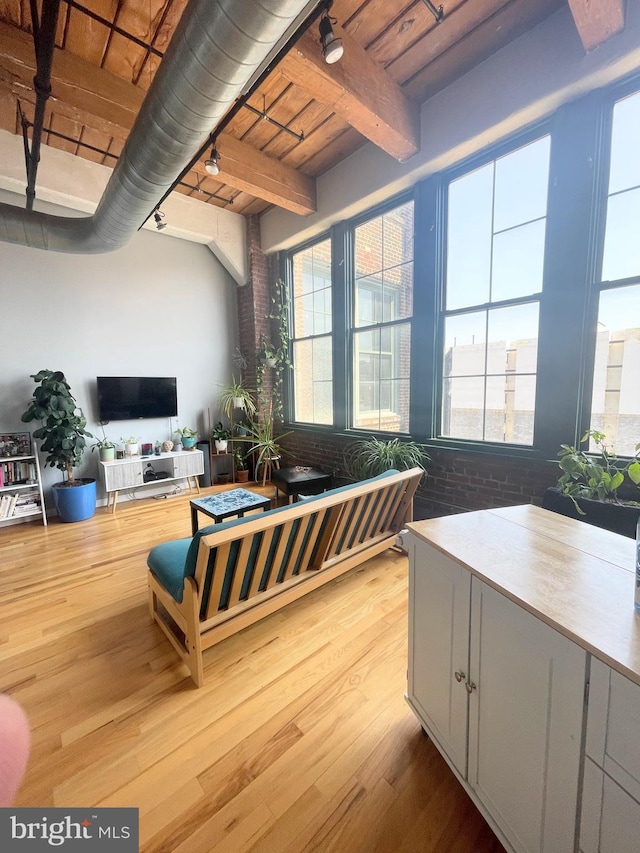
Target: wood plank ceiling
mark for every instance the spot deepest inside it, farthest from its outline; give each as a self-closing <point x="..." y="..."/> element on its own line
<point x="396" y="56"/>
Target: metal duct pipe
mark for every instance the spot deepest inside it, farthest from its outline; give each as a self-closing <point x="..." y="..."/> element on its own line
<point x="216" y="49"/>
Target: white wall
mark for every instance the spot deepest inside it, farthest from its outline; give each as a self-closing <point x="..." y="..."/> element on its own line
<point x="160" y="306"/>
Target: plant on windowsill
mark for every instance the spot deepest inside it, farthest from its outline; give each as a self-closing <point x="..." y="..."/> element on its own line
<point x="372" y="456"/>
<point x="63" y="437"/>
<point x="597" y="487"/>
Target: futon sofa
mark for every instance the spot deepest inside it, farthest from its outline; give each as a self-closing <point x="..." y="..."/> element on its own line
<point x="230" y="575"/>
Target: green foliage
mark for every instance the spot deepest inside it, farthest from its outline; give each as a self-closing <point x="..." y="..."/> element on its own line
<point x="265" y="445"/>
<point x="372" y="456"/>
<point x="63" y="432"/>
<point x="238" y="459"/>
<point x="186" y="432"/>
<point x="597" y="476"/>
<point x="220" y="433"/>
<point x="232" y="394"/>
<point x="274" y="354"/>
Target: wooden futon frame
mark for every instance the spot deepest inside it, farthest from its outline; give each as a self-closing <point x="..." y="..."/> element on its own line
<point x="230" y="575"/>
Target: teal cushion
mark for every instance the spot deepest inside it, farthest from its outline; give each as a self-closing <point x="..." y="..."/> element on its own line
<point x="172" y="561"/>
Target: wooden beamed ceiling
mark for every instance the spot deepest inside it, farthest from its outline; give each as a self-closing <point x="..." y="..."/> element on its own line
<point x="396" y="55"/>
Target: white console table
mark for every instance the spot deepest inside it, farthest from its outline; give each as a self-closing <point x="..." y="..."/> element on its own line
<point x="524" y="669"/>
<point x="128" y="473"/>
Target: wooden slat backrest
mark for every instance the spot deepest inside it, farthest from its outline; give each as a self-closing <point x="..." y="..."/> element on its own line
<point x="307" y="535"/>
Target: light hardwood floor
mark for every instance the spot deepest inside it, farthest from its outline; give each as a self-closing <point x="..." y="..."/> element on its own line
<point x="299" y="741"/>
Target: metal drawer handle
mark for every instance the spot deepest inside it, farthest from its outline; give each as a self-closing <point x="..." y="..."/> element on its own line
<point x="459" y="676"/>
<point x="470" y="687"/>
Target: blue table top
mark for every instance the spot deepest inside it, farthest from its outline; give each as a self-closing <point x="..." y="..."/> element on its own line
<point x="234" y="499"/>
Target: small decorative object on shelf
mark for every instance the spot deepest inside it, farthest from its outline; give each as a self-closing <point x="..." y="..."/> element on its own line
<point x="187" y="436"/>
<point x="158" y="448"/>
<point x="167" y="446"/>
<point x="15" y="444"/>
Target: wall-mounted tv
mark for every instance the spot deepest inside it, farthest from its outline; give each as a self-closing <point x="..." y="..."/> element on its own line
<point x="127" y="398"/>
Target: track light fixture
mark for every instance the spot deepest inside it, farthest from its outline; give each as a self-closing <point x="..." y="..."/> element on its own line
<point x="212" y="165"/>
<point x="159" y="216"/>
<point x="332" y="48"/>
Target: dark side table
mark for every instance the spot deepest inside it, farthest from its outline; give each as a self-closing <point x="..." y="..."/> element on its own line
<point x="299" y="480"/>
<point x="225" y="504"/>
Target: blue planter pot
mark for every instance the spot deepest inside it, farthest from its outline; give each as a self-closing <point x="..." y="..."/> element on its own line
<point x="188" y="443"/>
<point x="75" y="503"/>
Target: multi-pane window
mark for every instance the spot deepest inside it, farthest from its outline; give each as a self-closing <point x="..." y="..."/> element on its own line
<point x="496" y="220"/>
<point x="312" y="335"/>
<point x="615" y="403"/>
<point x="382" y="310"/>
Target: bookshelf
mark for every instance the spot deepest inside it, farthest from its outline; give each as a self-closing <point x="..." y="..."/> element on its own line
<point x="21" y="497"/>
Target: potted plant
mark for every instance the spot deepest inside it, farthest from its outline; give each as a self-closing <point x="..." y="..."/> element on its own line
<point x="597" y="487"/>
<point x="265" y="446"/>
<point x="240" y="466"/>
<point x="131" y="445"/>
<point x="63" y="437"/>
<point x="187" y="437"/>
<point x="220" y="436"/>
<point x="372" y="456"/>
<point x="106" y="448"/>
<point x="236" y="396"/>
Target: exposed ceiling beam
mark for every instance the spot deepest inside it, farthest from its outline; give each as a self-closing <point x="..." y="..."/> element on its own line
<point x="357" y="89"/>
<point x="597" y="20"/>
<point x="101" y="100"/>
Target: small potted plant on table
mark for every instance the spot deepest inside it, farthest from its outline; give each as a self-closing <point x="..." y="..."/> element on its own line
<point x="187" y="437"/>
<point x="106" y="448"/>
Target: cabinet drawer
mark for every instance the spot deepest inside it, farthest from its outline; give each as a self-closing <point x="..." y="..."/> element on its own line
<point x="610" y="817"/>
<point x="613" y="724"/>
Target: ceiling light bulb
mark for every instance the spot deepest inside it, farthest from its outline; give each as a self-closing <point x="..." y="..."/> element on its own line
<point x="332" y="47"/>
<point x="212" y="165"/>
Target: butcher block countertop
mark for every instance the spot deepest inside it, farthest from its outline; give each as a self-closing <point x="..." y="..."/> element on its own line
<point x="575" y="577"/>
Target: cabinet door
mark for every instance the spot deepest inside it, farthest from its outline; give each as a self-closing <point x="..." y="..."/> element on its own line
<point x="122" y="475"/>
<point x="610" y="816"/>
<point x="188" y="464"/>
<point x="525" y="723"/>
<point x="439" y="598"/>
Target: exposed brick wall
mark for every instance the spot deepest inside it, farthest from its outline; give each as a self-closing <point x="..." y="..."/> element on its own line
<point x="254" y="302"/>
<point x="457" y="481"/>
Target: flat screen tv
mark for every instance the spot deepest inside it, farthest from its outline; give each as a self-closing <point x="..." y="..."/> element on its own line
<point x="128" y="398"/>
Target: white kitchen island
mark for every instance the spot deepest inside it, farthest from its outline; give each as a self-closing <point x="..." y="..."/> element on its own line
<point x="524" y="669"/>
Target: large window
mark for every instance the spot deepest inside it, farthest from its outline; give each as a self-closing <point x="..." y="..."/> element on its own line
<point x="382" y="310"/>
<point x="494" y="268"/>
<point x="512" y="323"/>
<point x="312" y="335"/>
<point x="615" y="403"/>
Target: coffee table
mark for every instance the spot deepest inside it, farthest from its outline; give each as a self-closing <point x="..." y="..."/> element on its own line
<point x="225" y="504"/>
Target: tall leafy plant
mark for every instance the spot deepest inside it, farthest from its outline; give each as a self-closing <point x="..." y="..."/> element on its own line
<point x="273" y="352"/>
<point x="63" y="432"/>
